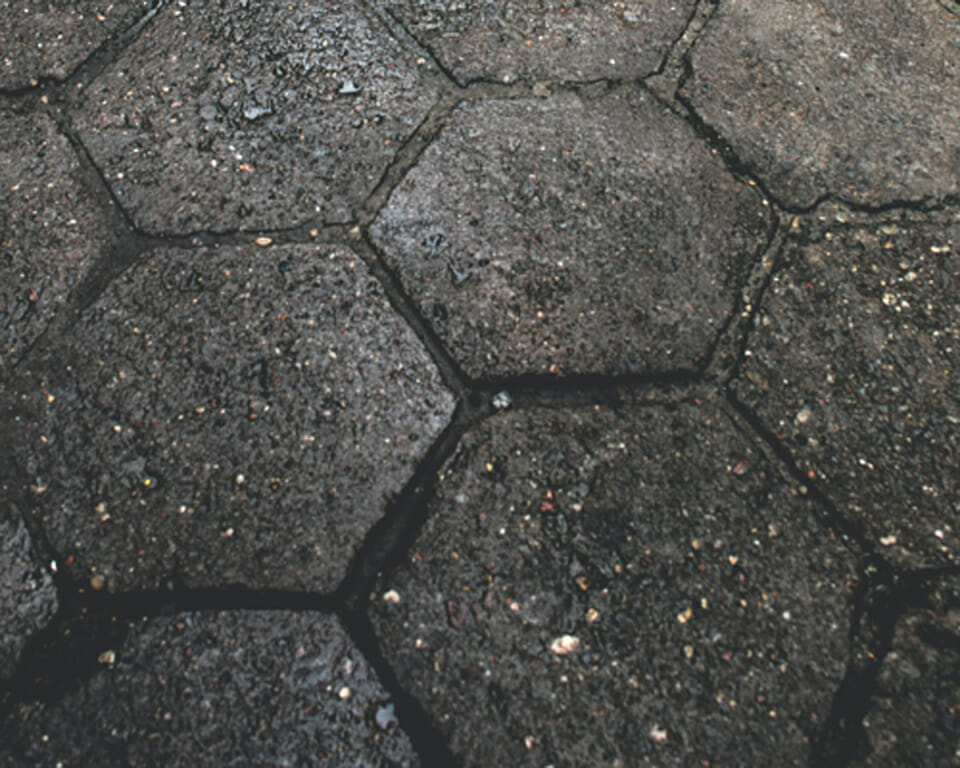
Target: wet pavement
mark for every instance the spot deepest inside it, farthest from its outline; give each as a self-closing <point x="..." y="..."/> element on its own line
<point x="463" y="384"/>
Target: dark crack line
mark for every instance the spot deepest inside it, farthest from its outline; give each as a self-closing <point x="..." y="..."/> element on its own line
<point x="57" y="89"/>
<point x="450" y="370"/>
<point x="851" y="532"/>
<point x="427" y="739"/>
<point x="388" y="541"/>
<point x="883" y="598"/>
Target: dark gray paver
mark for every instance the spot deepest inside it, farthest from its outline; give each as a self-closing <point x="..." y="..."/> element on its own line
<point x="258" y="115"/>
<point x="50" y="39"/>
<point x="232" y="415"/>
<point x="217" y="689"/>
<point x="537" y="40"/>
<point x="914" y="718"/>
<point x="571" y="234"/>
<point x="48" y="229"/>
<point x="710" y="609"/>
<point x="859" y="99"/>
<point x="27" y="596"/>
<point x="863" y="390"/>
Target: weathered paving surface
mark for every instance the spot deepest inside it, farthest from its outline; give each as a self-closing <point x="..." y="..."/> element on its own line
<point x="536" y="40"/>
<point x="469" y="383"/>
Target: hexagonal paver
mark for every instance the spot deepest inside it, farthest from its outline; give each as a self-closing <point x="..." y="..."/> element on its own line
<point x="48" y="229"/>
<point x="914" y="718"/>
<point x="857" y="99"/>
<point x="40" y="40"/>
<point x="863" y="391"/>
<point x="230" y="416"/>
<point x="254" y="116"/>
<point x="28" y="599"/>
<point x="537" y="40"/>
<point x="215" y="689"/>
<point x="571" y="234"/>
<point x="600" y="587"/>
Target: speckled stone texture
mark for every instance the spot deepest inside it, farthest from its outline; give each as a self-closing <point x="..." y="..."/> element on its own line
<point x="252" y="114"/>
<point x="538" y="40"/>
<point x="856" y="99"/>
<point x="296" y="689"/>
<point x="863" y="390"/>
<point x="27" y="596"/>
<point x="231" y="415"/>
<point x="572" y="234"/>
<point x="50" y="39"/>
<point x="709" y="608"/>
<point x="914" y="718"/>
<point x="48" y="229"/>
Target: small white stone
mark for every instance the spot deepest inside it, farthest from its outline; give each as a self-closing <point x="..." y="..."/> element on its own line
<point x="565" y="644"/>
<point x="391" y="597"/>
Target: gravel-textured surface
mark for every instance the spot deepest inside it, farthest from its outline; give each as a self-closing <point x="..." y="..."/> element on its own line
<point x="48" y="229"/>
<point x="572" y="234"/>
<point x="474" y="383"/>
<point x="27" y="597"/>
<point x="864" y="390"/>
<point x="595" y="587"/>
<point x="856" y="99"/>
<point x="253" y="115"/>
<point x="50" y="39"/>
<point x="236" y="415"/>
<point x="231" y="688"/>
<point x="536" y="40"/>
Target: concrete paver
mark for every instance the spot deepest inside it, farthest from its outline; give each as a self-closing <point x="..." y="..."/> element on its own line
<point x="537" y="40"/>
<point x="296" y="689"/>
<point x="579" y="234"/>
<point x="864" y="390"/>
<point x="859" y="100"/>
<point x="914" y="720"/>
<point x="707" y="611"/>
<point x="48" y="229"/>
<point x="49" y="40"/>
<point x="28" y="599"/>
<point x="479" y="383"/>
<point x="231" y="416"/>
<point x="262" y="117"/>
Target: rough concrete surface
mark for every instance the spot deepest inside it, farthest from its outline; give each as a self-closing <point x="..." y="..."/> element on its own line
<point x="537" y="40"/>
<point x="576" y="234"/>
<point x="296" y="689"/>
<point x="479" y="383"/>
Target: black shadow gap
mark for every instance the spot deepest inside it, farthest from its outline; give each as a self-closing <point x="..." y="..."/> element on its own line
<point x="388" y="541"/>
<point x="424" y="735"/>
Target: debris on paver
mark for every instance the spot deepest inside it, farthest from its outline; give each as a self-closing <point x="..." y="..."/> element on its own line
<point x="553" y="236"/>
<point x="537" y="40"/>
<point x="879" y="358"/>
<point x="855" y="99"/>
<point x="769" y="628"/>
<point x="230" y="688"/>
<point x="28" y="599"/>
<point x="48" y="229"/>
<point x="49" y="40"/>
<point x="241" y="417"/>
<point x="260" y="135"/>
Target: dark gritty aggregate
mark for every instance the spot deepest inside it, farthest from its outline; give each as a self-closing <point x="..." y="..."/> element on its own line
<point x="708" y="607"/>
<point x="541" y="235"/>
<point x="858" y="99"/>
<point x="253" y="115"/>
<point x="230" y="416"/>
<point x="863" y="391"/>
<point x="217" y="689"/>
